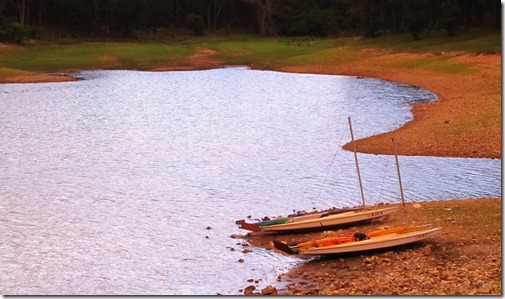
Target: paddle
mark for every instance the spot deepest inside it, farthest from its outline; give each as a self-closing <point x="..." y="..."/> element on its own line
<point x="283" y="247"/>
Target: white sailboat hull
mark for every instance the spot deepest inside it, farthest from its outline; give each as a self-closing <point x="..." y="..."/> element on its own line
<point x="332" y="220"/>
<point x="379" y="242"/>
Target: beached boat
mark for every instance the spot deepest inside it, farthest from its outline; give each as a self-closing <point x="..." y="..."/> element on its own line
<point x="345" y="217"/>
<point x="323" y="220"/>
<point x="299" y="217"/>
<point x="361" y="241"/>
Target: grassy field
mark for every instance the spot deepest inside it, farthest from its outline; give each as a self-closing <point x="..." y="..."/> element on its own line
<point x="438" y="42"/>
<point x="91" y="55"/>
<point x="235" y="50"/>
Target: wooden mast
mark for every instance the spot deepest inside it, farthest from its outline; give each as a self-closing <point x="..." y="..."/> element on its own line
<point x="401" y="187"/>
<point x="357" y="165"/>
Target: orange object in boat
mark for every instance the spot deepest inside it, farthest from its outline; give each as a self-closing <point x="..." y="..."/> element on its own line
<point x="327" y="241"/>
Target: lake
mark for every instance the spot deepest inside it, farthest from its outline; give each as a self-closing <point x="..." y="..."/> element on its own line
<point x="129" y="183"/>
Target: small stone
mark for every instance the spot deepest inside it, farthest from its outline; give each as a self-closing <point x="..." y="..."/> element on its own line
<point x="426" y="250"/>
<point x="269" y="290"/>
<point x="249" y="290"/>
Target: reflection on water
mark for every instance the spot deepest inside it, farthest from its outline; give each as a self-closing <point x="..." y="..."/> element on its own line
<point x="130" y="182"/>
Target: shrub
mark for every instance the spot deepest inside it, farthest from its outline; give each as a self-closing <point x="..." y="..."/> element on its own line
<point x="11" y="33"/>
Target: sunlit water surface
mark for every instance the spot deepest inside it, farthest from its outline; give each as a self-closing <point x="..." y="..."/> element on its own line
<point x="130" y="182"/>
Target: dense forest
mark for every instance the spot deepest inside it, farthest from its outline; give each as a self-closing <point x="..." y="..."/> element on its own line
<point x="32" y="19"/>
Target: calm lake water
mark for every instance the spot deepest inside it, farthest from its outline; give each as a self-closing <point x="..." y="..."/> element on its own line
<point x="129" y="183"/>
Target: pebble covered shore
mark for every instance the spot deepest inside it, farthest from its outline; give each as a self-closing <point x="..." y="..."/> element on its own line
<point x="465" y="259"/>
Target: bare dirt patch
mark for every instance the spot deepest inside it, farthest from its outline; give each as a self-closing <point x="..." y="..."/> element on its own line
<point x="37" y="78"/>
<point x="201" y="60"/>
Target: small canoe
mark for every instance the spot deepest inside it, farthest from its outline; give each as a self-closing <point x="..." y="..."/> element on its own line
<point x="361" y="242"/>
<point x="323" y="222"/>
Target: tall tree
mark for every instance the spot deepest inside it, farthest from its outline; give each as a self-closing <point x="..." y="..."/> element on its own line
<point x="125" y="15"/>
<point x="452" y="17"/>
<point x="366" y="14"/>
<point x="491" y="13"/>
<point x="218" y="6"/>
<point x="264" y="15"/>
<point x="415" y="17"/>
<point x="22" y="7"/>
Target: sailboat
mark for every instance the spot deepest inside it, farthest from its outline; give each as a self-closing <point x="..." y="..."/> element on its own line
<point x="323" y="220"/>
<point x="357" y="242"/>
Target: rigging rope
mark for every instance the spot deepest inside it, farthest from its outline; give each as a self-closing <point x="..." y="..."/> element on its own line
<point x="331" y="165"/>
<point x="384" y="177"/>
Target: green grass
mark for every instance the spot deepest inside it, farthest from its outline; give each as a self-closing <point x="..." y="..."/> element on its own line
<point x="240" y="50"/>
<point x="438" y="42"/>
<point x="58" y="57"/>
<point x="6" y="72"/>
<point x="438" y="64"/>
<point x="264" y="51"/>
<point x="470" y="219"/>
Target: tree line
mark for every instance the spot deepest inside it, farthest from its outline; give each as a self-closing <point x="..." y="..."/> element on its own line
<point x="20" y="19"/>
